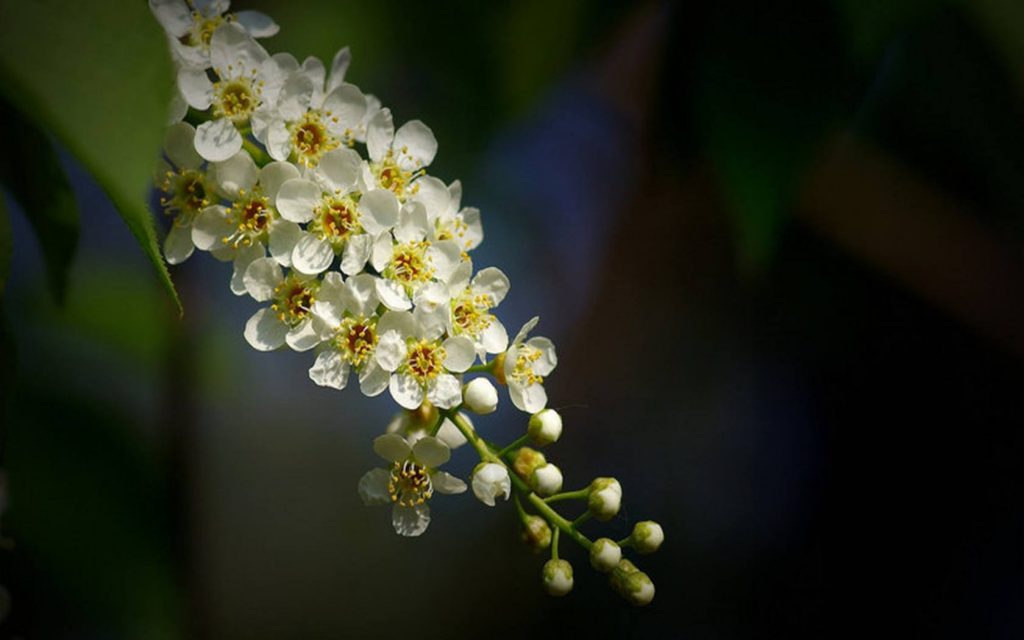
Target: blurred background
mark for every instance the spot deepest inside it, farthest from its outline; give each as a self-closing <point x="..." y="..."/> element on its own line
<point x="777" y="243"/>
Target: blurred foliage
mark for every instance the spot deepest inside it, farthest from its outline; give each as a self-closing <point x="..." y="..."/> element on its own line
<point x="870" y="25"/>
<point x="6" y="244"/>
<point x="97" y="76"/>
<point x="32" y="174"/>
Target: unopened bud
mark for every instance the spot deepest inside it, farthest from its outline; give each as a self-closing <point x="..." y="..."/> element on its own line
<point x="605" y="554"/>
<point x="557" y="577"/>
<point x="647" y="536"/>
<point x="546" y="480"/>
<point x="480" y="396"/>
<point x="545" y="427"/>
<point x="536" y="533"/>
<point x="605" y="498"/>
<point x="490" y="480"/>
<point x="526" y="460"/>
<point x="637" y="588"/>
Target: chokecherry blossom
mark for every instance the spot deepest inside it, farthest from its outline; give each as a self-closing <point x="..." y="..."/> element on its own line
<point x="525" y="364"/>
<point x="186" y="190"/>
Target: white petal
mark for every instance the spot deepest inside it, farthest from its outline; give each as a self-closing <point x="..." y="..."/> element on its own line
<point x="344" y="107"/>
<point x="445" y="391"/>
<point x="444" y="256"/>
<point x="400" y="322"/>
<point x="178" y="244"/>
<point x="304" y="336"/>
<point x="218" y="140"/>
<point x="383" y="250"/>
<point x="313" y="68"/>
<point x="373" y="487"/>
<point x="179" y="146"/>
<point x="380" y="132"/>
<point x="259" y="25"/>
<point x="444" y="482"/>
<point x="339" y="67"/>
<point x="527" y="328"/>
<point x="410" y="521"/>
<point x="243" y="259"/>
<point x="312" y="255"/>
<point x="283" y="235"/>
<point x="236" y="174"/>
<point x="548" y="359"/>
<point x="210" y="227"/>
<point x="178" y="108"/>
<point x="341" y="167"/>
<point x="392" y="447"/>
<point x="406" y="390"/>
<point x="279" y="140"/>
<point x="231" y="46"/>
<point x="415" y="145"/>
<point x="458" y="279"/>
<point x="195" y="87"/>
<point x="329" y="370"/>
<point x="173" y="15"/>
<point x="412" y="223"/>
<point x="356" y="253"/>
<point x="530" y="399"/>
<point x="264" y="331"/>
<point x="459" y="353"/>
<point x="393" y="295"/>
<point x="431" y="452"/>
<point x="360" y="295"/>
<point x="474" y="232"/>
<point x="373" y="380"/>
<point x="493" y="282"/>
<point x="262" y="277"/>
<point x="378" y="211"/>
<point x="297" y="198"/>
<point x="450" y="434"/>
<point x="293" y="101"/>
<point x="494" y="339"/>
<point x="433" y="195"/>
<point x="391" y="350"/>
<point x="274" y="175"/>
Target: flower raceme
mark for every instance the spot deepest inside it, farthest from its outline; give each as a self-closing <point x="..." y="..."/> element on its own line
<point x="358" y="255"/>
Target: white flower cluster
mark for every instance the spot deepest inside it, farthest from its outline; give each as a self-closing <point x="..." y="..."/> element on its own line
<point x="357" y="255"/>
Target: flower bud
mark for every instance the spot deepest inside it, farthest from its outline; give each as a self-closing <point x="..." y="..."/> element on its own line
<point x="545" y="427"/>
<point x="637" y="588"/>
<point x="526" y="460"/>
<point x="546" y="480"/>
<point x="557" y="577"/>
<point x="536" y="533"/>
<point x="480" y="396"/>
<point x="647" y="536"/>
<point x="605" y="554"/>
<point x="491" y="480"/>
<point x="605" y="498"/>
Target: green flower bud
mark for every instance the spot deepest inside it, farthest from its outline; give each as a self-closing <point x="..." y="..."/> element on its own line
<point x="605" y="498"/>
<point x="605" y="554"/>
<point x="525" y="462"/>
<point x="557" y="577"/>
<point x="545" y="427"/>
<point x="546" y="480"/>
<point x="647" y="536"/>
<point x="536" y="533"/>
<point x="631" y="583"/>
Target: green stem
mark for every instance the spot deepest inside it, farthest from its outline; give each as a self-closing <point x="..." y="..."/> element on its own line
<point x="515" y="445"/>
<point x="259" y="156"/>
<point x="580" y="520"/>
<point x="554" y="544"/>
<point x="581" y="494"/>
<point x="487" y="367"/>
<point x="487" y="455"/>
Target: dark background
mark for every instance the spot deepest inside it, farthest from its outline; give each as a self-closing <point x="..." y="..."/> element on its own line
<point x="778" y="245"/>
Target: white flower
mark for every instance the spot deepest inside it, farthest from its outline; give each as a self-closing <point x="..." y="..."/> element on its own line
<point x="526" y="364"/>
<point x="545" y="427"/>
<point x="411" y="425"/>
<point x="410" y="259"/>
<point x="462" y="226"/>
<point x="410" y="482"/>
<point x="491" y="480"/>
<point x="289" y="318"/>
<point x="421" y="364"/>
<point x="397" y="158"/>
<point x="546" y="480"/>
<point x="350" y="329"/>
<point x="244" y="230"/>
<point x="605" y="554"/>
<point x="312" y="116"/>
<point x="341" y="221"/>
<point x="605" y="498"/>
<point x="647" y="536"/>
<point x="464" y="306"/>
<point x="247" y="79"/>
<point x="189" y="30"/>
<point x="557" y="577"/>
<point x="480" y="396"/>
<point x="186" y="190"/>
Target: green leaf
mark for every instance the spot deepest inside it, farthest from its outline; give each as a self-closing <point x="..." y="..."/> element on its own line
<point x="97" y="75"/>
<point x="30" y="170"/>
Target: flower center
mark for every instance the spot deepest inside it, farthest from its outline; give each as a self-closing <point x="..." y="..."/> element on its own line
<point x="469" y="313"/>
<point x="425" y="360"/>
<point x="235" y="99"/>
<point x="202" y="30"/>
<point x="454" y="229"/>
<point x="253" y="217"/>
<point x="187" y="193"/>
<point x="409" y="263"/>
<point x="293" y="299"/>
<point x="523" y="372"/>
<point x="409" y="484"/>
<point x="392" y="177"/>
<point x="336" y="219"/>
<point x="311" y="139"/>
<point x="356" y="338"/>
